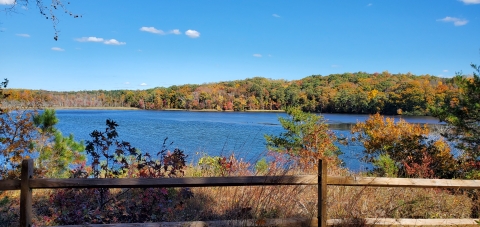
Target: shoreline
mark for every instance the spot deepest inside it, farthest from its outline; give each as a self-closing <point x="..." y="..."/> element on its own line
<point x="133" y="108"/>
<point x="214" y="110"/>
<point x="92" y="108"/>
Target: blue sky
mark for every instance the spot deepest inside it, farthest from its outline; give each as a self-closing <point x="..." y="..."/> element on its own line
<point x="146" y="44"/>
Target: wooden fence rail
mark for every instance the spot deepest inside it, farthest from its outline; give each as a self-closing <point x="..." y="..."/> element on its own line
<point x="26" y="184"/>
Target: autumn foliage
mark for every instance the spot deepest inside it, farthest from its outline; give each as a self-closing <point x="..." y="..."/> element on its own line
<point x="358" y="92"/>
<point x="461" y="111"/>
<point x="412" y="152"/>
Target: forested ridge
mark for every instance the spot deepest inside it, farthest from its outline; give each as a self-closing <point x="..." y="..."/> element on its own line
<point x="359" y="92"/>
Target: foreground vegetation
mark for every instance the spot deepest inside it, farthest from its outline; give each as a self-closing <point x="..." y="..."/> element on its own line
<point x="71" y="206"/>
<point x="395" y="149"/>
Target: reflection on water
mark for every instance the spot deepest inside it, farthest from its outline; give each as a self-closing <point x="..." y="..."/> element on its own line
<point x="341" y="126"/>
<point x="348" y="126"/>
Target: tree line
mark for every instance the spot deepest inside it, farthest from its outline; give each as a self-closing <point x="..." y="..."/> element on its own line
<point x="360" y="92"/>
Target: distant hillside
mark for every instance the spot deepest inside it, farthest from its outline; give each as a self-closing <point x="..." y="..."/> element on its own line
<point x="337" y="93"/>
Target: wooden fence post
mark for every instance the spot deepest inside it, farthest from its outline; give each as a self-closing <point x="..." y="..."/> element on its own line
<point x="322" y="193"/>
<point x="26" y="194"/>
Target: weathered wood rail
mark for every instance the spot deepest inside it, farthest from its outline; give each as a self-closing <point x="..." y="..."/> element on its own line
<point x="27" y="183"/>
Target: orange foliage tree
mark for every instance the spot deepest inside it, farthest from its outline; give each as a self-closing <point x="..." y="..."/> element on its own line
<point x="403" y="147"/>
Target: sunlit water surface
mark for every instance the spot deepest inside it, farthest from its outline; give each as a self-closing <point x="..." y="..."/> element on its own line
<point x="212" y="133"/>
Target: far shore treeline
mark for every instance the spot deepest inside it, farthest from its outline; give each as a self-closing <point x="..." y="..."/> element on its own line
<point x="360" y="92"/>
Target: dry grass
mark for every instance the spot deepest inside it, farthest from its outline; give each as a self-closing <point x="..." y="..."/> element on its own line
<point x="344" y="202"/>
<point x="266" y="202"/>
<point x="375" y="202"/>
<point x="9" y="208"/>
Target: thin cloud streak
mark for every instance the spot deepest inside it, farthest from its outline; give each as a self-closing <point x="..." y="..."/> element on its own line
<point x="470" y="2"/>
<point x="7" y="2"/>
<point x="89" y="39"/>
<point x="454" y="20"/>
<point x="23" y="35"/>
<point x="100" y="40"/>
<point x="57" y="49"/>
<point x="152" y="30"/>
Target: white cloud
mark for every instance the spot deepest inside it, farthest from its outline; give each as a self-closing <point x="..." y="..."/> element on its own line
<point x="468" y="2"/>
<point x="24" y="7"/>
<point x="127" y="82"/>
<point x="335" y="66"/>
<point x="456" y="21"/>
<point x="100" y="40"/>
<point x="369" y="4"/>
<point x="23" y="35"/>
<point x="445" y="70"/>
<point x="257" y="55"/>
<point x="192" y="33"/>
<point x="7" y="2"/>
<point x="143" y="84"/>
<point x="57" y="49"/>
<point x="160" y="32"/>
<point x="89" y="39"/>
<point x="175" y="31"/>
<point x="152" y="30"/>
<point x="275" y="15"/>
<point x="114" y="42"/>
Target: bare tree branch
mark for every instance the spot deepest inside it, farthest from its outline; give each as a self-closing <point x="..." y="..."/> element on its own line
<point x="50" y="12"/>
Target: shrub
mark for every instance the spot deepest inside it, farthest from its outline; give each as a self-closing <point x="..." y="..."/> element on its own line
<point x="306" y="139"/>
<point x="407" y="145"/>
<point x="113" y="158"/>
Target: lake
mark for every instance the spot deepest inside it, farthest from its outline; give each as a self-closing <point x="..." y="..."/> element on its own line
<point x="212" y="133"/>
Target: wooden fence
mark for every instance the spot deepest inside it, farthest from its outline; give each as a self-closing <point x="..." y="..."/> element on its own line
<point x="27" y="183"/>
